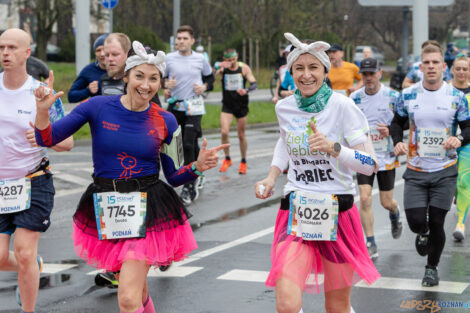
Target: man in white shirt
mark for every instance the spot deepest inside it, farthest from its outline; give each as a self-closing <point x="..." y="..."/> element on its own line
<point x="23" y="167"/>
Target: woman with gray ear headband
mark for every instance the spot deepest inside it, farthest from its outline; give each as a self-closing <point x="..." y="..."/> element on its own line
<point x="318" y="239"/>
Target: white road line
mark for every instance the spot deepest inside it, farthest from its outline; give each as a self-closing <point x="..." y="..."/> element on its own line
<point x="414" y="284"/>
<point x="228" y="245"/>
<point x="381" y="283"/>
<point x="68" y="192"/>
<point x="53" y="268"/>
<point x="174" y="271"/>
<point x="73" y="179"/>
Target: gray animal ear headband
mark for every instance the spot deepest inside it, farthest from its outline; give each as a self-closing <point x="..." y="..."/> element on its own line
<point x="317" y="49"/>
<point x="141" y="56"/>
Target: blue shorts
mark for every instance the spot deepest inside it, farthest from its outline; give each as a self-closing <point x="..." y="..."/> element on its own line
<point x="37" y="217"/>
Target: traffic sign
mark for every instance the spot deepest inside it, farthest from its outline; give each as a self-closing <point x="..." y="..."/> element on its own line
<point x="109" y="4"/>
<point x="403" y="2"/>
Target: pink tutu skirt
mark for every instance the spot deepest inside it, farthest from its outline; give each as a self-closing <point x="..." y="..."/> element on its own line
<point x="317" y="266"/>
<point x="169" y="237"/>
<point x="157" y="248"/>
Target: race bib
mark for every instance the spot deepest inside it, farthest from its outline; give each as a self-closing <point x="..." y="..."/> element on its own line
<point x="120" y="215"/>
<point x="313" y="216"/>
<point x="15" y="195"/>
<point x="233" y="82"/>
<point x="380" y="143"/>
<point x="195" y="106"/>
<point x="430" y="142"/>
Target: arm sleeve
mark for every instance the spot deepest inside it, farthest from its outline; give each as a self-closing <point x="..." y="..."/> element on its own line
<point x="465" y="131"/>
<point x="397" y="127"/>
<point x="66" y="126"/>
<point x="209" y="80"/>
<point x="355" y="124"/>
<point x="79" y="90"/>
<point x="280" y="156"/>
<point x="175" y="177"/>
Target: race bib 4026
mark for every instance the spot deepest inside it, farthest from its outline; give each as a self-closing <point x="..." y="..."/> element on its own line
<point x="15" y="195"/>
<point x="120" y="215"/>
<point x="313" y="216"/>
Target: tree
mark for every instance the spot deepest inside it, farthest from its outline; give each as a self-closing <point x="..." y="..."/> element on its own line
<point x="46" y="13"/>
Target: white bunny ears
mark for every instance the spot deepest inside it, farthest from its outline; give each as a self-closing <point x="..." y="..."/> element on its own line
<point x="141" y="56"/>
<point x="317" y="49"/>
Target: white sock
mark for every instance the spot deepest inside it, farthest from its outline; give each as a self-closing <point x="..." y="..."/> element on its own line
<point x="352" y="310"/>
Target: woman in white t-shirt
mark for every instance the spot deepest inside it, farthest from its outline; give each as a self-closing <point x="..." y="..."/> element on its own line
<point x="318" y="240"/>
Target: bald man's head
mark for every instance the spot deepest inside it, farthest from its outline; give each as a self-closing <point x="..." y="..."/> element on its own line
<point x="14" y="49"/>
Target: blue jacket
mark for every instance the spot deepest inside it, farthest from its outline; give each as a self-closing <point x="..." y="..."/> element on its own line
<point x="79" y="90"/>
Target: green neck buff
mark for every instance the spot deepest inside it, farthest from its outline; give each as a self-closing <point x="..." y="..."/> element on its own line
<point x="230" y="55"/>
<point x="315" y="103"/>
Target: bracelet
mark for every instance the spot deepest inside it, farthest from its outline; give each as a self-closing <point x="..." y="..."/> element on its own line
<point x="195" y="171"/>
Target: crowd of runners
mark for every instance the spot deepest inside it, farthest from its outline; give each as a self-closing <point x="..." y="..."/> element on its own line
<point x="344" y="119"/>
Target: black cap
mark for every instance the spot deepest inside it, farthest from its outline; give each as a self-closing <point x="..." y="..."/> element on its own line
<point x="336" y="47"/>
<point x="369" y="65"/>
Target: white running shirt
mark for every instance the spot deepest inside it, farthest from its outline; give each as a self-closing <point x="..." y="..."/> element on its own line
<point x="379" y="108"/>
<point x="340" y="121"/>
<point x="17" y="109"/>
<point x="440" y="109"/>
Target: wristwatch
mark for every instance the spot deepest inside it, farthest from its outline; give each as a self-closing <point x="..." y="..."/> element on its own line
<point x="337" y="148"/>
<point x="460" y="137"/>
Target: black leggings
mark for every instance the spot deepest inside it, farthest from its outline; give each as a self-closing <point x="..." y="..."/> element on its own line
<point x="416" y="218"/>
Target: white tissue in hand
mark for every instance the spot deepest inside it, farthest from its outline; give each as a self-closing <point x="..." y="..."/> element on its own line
<point x="261" y="189"/>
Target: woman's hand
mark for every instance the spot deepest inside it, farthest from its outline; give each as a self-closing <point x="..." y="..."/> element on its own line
<point x="265" y="188"/>
<point x="208" y="158"/>
<point x="44" y="95"/>
<point x="318" y="142"/>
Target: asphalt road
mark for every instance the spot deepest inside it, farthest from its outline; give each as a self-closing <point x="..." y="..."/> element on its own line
<point x="234" y="231"/>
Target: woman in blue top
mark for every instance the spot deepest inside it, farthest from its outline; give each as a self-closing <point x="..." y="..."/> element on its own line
<point x="128" y="219"/>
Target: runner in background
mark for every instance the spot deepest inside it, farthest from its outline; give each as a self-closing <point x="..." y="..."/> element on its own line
<point x="460" y="71"/>
<point x="342" y="73"/>
<point x="87" y="84"/>
<point x="235" y="101"/>
<point x="378" y="102"/>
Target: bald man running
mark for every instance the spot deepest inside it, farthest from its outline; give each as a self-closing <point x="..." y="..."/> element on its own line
<point x="26" y="187"/>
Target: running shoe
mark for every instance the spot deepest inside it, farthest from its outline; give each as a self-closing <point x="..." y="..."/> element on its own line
<point x="372" y="249"/>
<point x="242" y="168"/>
<point x="430" y="278"/>
<point x="106" y="279"/>
<point x="200" y="182"/>
<point x="422" y="244"/>
<point x="41" y="267"/>
<point x="193" y="192"/>
<point x="186" y="195"/>
<point x="459" y="233"/>
<point x="225" y="165"/>
<point x="164" y="268"/>
<point x="397" y="226"/>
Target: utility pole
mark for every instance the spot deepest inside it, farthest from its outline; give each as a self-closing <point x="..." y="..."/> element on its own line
<point x="82" y="38"/>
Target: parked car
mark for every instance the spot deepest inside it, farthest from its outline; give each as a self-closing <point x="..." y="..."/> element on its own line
<point x="375" y="54"/>
<point x="409" y="62"/>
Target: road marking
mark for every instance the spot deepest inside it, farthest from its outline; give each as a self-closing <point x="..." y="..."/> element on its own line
<point x="414" y="284"/>
<point x="74" y="179"/>
<point x="53" y="268"/>
<point x="68" y="192"/>
<point x="228" y="245"/>
<point x="381" y="283"/>
<point x="174" y="271"/>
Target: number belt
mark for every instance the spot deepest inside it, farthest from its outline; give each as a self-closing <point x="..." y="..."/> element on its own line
<point x="42" y="169"/>
<point x="126" y="185"/>
<point x="345" y="202"/>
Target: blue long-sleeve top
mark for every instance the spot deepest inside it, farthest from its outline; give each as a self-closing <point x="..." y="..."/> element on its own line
<point x="79" y="90"/>
<point x="126" y="144"/>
